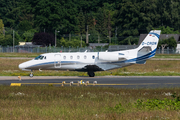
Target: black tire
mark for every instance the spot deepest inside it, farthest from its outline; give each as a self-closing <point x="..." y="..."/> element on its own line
<point x="91" y="74"/>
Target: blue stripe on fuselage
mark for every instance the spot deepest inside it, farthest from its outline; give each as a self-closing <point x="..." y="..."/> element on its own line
<point x="46" y="63"/>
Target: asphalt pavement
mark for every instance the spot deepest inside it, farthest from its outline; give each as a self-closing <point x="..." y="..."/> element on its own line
<point x="108" y="81"/>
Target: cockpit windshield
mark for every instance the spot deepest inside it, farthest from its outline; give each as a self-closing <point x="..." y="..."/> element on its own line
<point x="40" y="57"/>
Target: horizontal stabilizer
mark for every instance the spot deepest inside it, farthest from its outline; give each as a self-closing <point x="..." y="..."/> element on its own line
<point x="141" y="62"/>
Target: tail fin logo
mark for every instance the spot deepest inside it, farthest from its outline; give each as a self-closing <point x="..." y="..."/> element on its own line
<point x="154" y="34"/>
<point x="149" y="43"/>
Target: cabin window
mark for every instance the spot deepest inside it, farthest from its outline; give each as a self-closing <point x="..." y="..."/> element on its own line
<point x="78" y="57"/>
<point x="41" y="57"/>
<point x="121" y="54"/>
<point x="71" y="57"/>
<point x="85" y="57"/>
<point x="93" y="57"/>
<point x="64" y="57"/>
<point x="38" y="57"/>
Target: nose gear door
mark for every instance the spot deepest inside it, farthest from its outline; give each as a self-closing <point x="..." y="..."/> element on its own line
<point x="57" y="61"/>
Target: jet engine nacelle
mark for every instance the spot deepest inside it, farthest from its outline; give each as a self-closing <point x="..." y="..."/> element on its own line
<point x="105" y="56"/>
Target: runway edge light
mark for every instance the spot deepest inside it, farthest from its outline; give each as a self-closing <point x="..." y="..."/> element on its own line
<point x="87" y="82"/>
<point x="71" y="83"/>
<point x="95" y="82"/>
<point x="63" y="82"/>
<point x="19" y="77"/>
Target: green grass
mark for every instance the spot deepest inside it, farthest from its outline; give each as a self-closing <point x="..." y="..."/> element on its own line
<point x="167" y="56"/>
<point x="89" y="103"/>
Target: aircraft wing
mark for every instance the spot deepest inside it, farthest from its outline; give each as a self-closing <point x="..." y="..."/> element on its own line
<point x="97" y="67"/>
<point x="107" y="66"/>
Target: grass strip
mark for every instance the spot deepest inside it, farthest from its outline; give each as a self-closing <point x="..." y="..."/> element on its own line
<point x="79" y="103"/>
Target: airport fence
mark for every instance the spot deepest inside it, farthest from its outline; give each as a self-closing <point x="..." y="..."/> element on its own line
<point x="22" y="49"/>
<point x="167" y="51"/>
<point x="10" y="49"/>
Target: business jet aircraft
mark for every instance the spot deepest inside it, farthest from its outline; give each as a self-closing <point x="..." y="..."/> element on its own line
<point x="91" y="62"/>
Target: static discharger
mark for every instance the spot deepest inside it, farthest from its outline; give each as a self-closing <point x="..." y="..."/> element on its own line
<point x="19" y="77"/>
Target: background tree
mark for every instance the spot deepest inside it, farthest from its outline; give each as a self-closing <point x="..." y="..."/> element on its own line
<point x="148" y="15"/>
<point x="10" y="12"/>
<point x="72" y="43"/>
<point x="129" y="41"/>
<point x="44" y="39"/>
<point x="93" y="38"/>
<point x="90" y="25"/>
<point x="167" y="30"/>
<point x="81" y="22"/>
<point x="171" y="43"/>
<point x="25" y="25"/>
<point x="130" y="17"/>
<point x="1" y="27"/>
<point x="6" y="40"/>
<point x="102" y="25"/>
<point x="28" y="35"/>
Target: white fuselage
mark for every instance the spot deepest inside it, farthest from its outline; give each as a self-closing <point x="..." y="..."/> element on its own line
<point x="78" y="60"/>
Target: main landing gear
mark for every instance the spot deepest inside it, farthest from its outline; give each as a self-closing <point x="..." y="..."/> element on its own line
<point x="31" y="74"/>
<point x="91" y="73"/>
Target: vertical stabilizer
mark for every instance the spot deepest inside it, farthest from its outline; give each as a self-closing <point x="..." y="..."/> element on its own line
<point x="151" y="40"/>
<point x="147" y="48"/>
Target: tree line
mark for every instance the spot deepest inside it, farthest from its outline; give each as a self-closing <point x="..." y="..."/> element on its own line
<point x="105" y="21"/>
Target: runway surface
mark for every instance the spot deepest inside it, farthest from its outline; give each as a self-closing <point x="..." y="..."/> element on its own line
<point x="110" y="81"/>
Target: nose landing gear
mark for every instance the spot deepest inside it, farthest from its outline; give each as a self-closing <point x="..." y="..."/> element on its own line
<point x="31" y="74"/>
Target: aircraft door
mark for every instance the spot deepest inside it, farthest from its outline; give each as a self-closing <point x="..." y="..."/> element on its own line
<point x="57" y="61"/>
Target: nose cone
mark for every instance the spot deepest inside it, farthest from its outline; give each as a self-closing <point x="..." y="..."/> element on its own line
<point x="22" y="66"/>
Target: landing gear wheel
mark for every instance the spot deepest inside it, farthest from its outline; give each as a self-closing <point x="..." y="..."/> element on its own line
<point x="91" y="74"/>
<point x="31" y="75"/>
